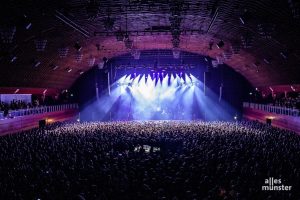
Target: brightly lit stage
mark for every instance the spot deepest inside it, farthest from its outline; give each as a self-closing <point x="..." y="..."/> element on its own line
<point x="156" y="96"/>
<point x="159" y="96"/>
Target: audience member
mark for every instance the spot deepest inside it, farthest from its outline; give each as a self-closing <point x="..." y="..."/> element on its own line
<point x="149" y="160"/>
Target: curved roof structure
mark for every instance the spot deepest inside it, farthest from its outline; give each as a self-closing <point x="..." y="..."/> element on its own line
<point x="49" y="44"/>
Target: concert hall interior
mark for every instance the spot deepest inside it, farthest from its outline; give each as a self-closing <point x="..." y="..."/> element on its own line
<point x="149" y="99"/>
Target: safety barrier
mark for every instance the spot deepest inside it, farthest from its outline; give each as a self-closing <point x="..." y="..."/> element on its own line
<point x="37" y="110"/>
<point x="273" y="109"/>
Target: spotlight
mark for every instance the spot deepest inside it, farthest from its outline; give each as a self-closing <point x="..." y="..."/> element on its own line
<point x="245" y="17"/>
<point x="283" y="55"/>
<point x="267" y="61"/>
<point x="13" y="59"/>
<point x="54" y="67"/>
<point x="36" y="63"/>
<point x="26" y="22"/>
<point x="78" y="57"/>
<point x="271" y="89"/>
<point x="220" y="44"/>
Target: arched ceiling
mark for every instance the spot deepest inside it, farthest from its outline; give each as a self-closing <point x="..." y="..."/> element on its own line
<point x="261" y="38"/>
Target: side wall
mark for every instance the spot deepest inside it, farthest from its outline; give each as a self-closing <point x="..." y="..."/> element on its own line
<point x="281" y="121"/>
<point x="32" y="121"/>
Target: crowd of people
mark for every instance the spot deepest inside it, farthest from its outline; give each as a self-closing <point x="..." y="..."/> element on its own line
<point x="15" y="105"/>
<point x="173" y="160"/>
<point x="289" y="100"/>
<point x="5" y="108"/>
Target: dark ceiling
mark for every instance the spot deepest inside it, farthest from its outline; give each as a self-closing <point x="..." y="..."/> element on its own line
<point x="260" y="38"/>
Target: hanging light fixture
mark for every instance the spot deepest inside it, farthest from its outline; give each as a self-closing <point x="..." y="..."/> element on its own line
<point x="7" y="34"/>
<point x="40" y="44"/>
<point x="63" y="52"/>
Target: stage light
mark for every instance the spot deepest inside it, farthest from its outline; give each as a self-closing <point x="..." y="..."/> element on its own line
<point x="49" y="120"/>
<point x="294" y="90"/>
<point x="54" y="67"/>
<point x="40" y="44"/>
<point x="283" y="55"/>
<point x="36" y="63"/>
<point x="245" y="16"/>
<point x="267" y="61"/>
<point x="148" y="98"/>
<point x="271" y="89"/>
<point x="13" y="59"/>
